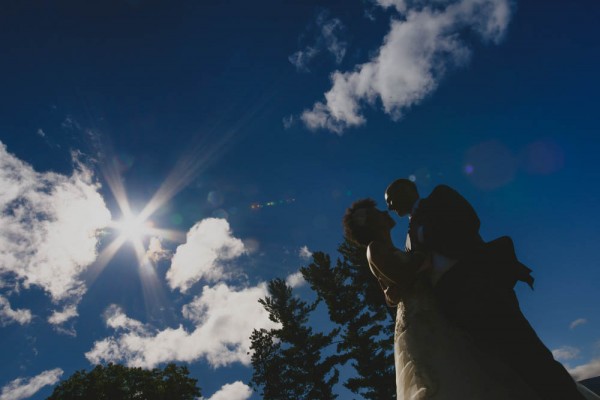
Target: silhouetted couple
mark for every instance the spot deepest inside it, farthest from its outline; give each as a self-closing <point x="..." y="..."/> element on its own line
<point x="460" y="333"/>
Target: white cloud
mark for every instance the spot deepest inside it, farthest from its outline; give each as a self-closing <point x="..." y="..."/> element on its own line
<point x="115" y="318"/>
<point x="24" y="388"/>
<point x="209" y="244"/>
<point x="223" y="317"/>
<point x="8" y="315"/>
<point x="327" y="39"/>
<point x="585" y="371"/>
<point x="305" y="253"/>
<point x="232" y="391"/>
<point x="155" y="251"/>
<point x="295" y="280"/>
<point x="41" y="132"/>
<point x="60" y="317"/>
<point x="577" y="322"/>
<point x="49" y="225"/>
<point x="566" y="353"/>
<point x="414" y="56"/>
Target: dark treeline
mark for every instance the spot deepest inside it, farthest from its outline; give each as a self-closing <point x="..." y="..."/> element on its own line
<point x="118" y="382"/>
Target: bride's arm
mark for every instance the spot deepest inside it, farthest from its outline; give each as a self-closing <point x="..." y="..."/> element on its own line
<point x="391" y="293"/>
<point x="394" y="267"/>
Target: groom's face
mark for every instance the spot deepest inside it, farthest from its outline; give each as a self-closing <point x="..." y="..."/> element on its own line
<point x="394" y="201"/>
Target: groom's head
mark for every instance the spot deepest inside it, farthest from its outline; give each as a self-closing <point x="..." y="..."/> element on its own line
<point x="401" y="196"/>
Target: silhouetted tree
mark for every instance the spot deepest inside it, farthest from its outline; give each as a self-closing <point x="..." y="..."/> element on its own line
<point x="289" y="362"/>
<point x="362" y="330"/>
<point x="117" y="382"/>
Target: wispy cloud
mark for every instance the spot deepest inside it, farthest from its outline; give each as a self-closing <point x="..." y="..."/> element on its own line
<point x="585" y="371"/>
<point x="302" y="58"/>
<point x="327" y="33"/>
<point x="59" y="320"/>
<point x="416" y="53"/>
<point x="49" y="227"/>
<point x="9" y="316"/>
<point x="208" y="247"/>
<point x="224" y="318"/>
<point x="288" y="121"/>
<point x="22" y="388"/>
<point x="566" y="353"/>
<point x="232" y="391"/>
<point x="60" y="317"/>
<point x="115" y="318"/>
<point x="305" y="253"/>
<point x="70" y="123"/>
<point x="577" y="322"/>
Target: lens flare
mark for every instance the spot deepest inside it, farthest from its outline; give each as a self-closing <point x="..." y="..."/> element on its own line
<point x="258" y="206"/>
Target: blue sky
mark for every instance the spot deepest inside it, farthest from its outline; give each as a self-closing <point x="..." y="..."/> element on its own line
<point x="257" y="124"/>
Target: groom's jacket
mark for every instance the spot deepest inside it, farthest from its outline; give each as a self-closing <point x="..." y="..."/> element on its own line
<point x="477" y="293"/>
<point x="445" y="223"/>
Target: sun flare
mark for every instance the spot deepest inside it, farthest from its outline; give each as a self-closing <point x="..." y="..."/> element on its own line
<point x="134" y="228"/>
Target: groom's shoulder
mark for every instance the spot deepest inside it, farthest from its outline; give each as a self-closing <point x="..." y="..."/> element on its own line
<point x="443" y="188"/>
<point x="443" y="191"/>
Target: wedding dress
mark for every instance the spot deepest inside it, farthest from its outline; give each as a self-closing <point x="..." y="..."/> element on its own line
<point x="436" y="361"/>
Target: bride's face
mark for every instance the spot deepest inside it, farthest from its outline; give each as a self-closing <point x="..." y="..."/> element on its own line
<point x="381" y="220"/>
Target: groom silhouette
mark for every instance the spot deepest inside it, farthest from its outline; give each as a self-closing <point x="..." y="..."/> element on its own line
<point x="473" y="283"/>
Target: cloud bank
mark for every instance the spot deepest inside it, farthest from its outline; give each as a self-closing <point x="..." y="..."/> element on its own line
<point x="416" y="53"/>
<point x="223" y="317"/>
<point x="49" y="226"/>
<point x="24" y="388"/>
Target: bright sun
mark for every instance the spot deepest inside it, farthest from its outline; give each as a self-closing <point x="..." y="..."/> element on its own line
<point x="133" y="228"/>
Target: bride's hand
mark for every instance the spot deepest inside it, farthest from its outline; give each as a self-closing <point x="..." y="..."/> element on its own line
<point x="392" y="294"/>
